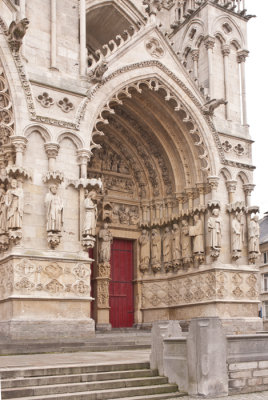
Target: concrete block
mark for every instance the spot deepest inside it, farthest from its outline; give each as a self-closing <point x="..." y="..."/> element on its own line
<point x="207" y="352"/>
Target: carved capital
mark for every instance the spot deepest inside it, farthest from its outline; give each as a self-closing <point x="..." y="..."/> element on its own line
<point x="201" y="187"/>
<point x="225" y="50"/>
<point x="248" y="188"/>
<point x="213" y="182"/>
<point x="231" y="186"/>
<point x="83" y="156"/>
<point x="242" y="55"/>
<point x="19" y="142"/>
<point x="190" y="192"/>
<point x="52" y="149"/>
<point x="195" y="54"/>
<point x="209" y="42"/>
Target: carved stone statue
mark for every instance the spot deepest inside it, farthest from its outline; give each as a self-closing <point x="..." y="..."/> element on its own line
<point x="237" y="235"/>
<point x="144" y="242"/>
<point x="14" y="204"/>
<point x="254" y="238"/>
<point x="96" y="76"/>
<point x="54" y="206"/>
<point x="3" y="215"/>
<point x="197" y="232"/>
<point x="176" y="246"/>
<point x="167" y="249"/>
<point x="105" y="245"/>
<point x="90" y="213"/>
<point x="186" y="244"/>
<point x="16" y="32"/>
<point x="214" y="227"/>
<point x="156" y="250"/>
<point x="209" y="107"/>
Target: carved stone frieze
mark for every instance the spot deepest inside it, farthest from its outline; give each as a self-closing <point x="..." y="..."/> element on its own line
<point x="103" y="294"/>
<point x="44" y="279"/>
<point x="125" y="214"/>
<point x="45" y="100"/>
<point x="197" y="288"/>
<point x="65" y="105"/>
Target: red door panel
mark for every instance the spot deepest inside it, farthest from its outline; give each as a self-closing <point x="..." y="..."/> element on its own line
<point x="121" y="285"/>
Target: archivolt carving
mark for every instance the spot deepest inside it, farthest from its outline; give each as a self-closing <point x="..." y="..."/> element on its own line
<point x="6" y="110"/>
<point x="155" y="85"/>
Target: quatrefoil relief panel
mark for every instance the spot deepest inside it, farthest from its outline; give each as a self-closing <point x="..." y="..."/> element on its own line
<point x="65" y="105"/>
<point x="226" y="146"/>
<point x="45" y="100"/>
<point x="239" y="149"/>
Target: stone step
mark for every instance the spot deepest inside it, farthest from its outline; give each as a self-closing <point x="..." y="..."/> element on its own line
<point x="119" y="393"/>
<point x="167" y="396"/>
<point x="81" y="387"/>
<point x="7" y="373"/>
<point x="76" y="378"/>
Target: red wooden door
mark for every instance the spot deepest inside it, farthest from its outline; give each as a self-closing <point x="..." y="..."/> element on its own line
<point x="121" y="284"/>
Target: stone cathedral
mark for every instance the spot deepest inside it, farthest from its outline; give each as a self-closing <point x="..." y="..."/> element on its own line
<point x="125" y="166"/>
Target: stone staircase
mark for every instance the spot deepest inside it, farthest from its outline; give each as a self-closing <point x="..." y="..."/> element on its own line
<point x="123" y="381"/>
<point x="117" y="339"/>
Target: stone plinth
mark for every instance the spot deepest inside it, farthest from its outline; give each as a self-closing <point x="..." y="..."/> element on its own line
<point x="45" y="298"/>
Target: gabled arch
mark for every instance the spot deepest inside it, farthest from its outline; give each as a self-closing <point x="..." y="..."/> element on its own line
<point x="42" y="130"/>
<point x="236" y="33"/>
<point x="77" y="141"/>
<point x="243" y="176"/>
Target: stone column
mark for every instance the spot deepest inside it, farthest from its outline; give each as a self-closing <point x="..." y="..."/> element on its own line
<point x="195" y="58"/>
<point x="210" y="43"/>
<point x="225" y="53"/>
<point x="52" y="150"/>
<point x="241" y="58"/>
<point x="83" y="159"/>
<point x="82" y="37"/>
<point x="231" y="188"/>
<point x="248" y="188"/>
<point x="213" y="182"/>
<point x="19" y="143"/>
<point x="53" y="34"/>
<point x="102" y="296"/>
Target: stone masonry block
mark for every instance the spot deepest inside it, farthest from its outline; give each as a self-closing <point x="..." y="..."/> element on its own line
<point x="261" y="372"/>
<point x="263" y="364"/>
<point x="244" y="365"/>
<point x="254" y="382"/>
<point x="241" y="374"/>
<point x="237" y="383"/>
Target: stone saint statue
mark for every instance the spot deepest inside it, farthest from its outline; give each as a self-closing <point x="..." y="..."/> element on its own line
<point x="156" y="250"/>
<point x="176" y="245"/>
<point x="3" y="209"/>
<point x="90" y="205"/>
<point x="144" y="242"/>
<point x="237" y="233"/>
<point x="214" y="227"/>
<point x="14" y="204"/>
<point x="254" y="236"/>
<point x="167" y="250"/>
<point x="54" y="206"/>
<point x="185" y="243"/>
<point x="105" y="245"/>
<point x="197" y="232"/>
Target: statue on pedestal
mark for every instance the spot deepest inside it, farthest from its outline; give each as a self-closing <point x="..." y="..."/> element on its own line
<point x="176" y="246"/>
<point x="105" y="245"/>
<point x="214" y="227"/>
<point x="167" y="249"/>
<point x="54" y="207"/>
<point x="14" y="204"/>
<point x="90" y="221"/>
<point x="186" y="244"/>
<point x="144" y="242"/>
<point x="156" y="250"/>
<point x="254" y="239"/>
<point x="197" y="232"/>
<point x="237" y="235"/>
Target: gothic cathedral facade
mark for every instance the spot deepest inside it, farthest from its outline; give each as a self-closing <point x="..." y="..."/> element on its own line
<point x="125" y="166"/>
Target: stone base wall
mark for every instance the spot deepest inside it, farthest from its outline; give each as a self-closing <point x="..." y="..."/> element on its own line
<point x="248" y="377"/>
<point x="42" y="298"/>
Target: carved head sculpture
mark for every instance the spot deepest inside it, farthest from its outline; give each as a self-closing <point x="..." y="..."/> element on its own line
<point x="92" y="194"/>
<point x="14" y="183"/>
<point x="216" y="212"/>
<point x="105" y="225"/>
<point x="166" y="230"/>
<point x="196" y="217"/>
<point x="256" y="218"/>
<point x="184" y="222"/>
<point x="238" y="216"/>
<point x="53" y="188"/>
<point x="175" y="227"/>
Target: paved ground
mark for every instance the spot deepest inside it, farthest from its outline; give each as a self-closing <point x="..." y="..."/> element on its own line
<point x="106" y="357"/>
